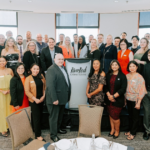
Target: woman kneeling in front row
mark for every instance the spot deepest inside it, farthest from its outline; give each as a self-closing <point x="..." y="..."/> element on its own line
<point x="116" y="84"/>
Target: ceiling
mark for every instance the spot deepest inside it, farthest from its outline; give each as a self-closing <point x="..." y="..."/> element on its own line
<point x="76" y="6"/>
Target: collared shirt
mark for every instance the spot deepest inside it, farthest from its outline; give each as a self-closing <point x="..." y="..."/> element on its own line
<point x="64" y="73"/>
<point x="76" y="50"/>
<point x="100" y="45"/>
<point x="52" y="52"/>
<point x="41" y="46"/>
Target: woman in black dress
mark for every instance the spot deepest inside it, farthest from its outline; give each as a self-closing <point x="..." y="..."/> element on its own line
<point x="96" y="81"/>
<point x="30" y="55"/>
<point x="94" y="53"/>
<point x="116" y="84"/>
<point x="11" y="53"/>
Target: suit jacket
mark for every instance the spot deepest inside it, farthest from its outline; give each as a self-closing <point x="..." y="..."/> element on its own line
<point x="56" y="86"/>
<point x="72" y="44"/>
<point x="25" y="43"/>
<point x="119" y="87"/>
<point x="46" y="60"/>
<point x="16" y="91"/>
<point x="30" y="87"/>
<point x="101" y="46"/>
<point x="28" y="60"/>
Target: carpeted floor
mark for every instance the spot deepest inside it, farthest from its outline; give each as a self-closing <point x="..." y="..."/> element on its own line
<point x="138" y="143"/>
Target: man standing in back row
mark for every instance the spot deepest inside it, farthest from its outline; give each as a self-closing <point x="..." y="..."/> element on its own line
<point x="58" y="89"/>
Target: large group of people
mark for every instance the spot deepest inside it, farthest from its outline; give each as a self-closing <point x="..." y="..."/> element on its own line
<point x="32" y="71"/>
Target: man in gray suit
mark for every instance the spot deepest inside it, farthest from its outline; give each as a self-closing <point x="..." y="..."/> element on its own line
<point x="58" y="89"/>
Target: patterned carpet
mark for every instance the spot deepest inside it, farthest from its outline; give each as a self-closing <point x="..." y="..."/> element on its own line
<point x="138" y="143"/>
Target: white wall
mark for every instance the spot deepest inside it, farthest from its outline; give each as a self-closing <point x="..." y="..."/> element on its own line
<point x="36" y="23"/>
<point x="115" y="24"/>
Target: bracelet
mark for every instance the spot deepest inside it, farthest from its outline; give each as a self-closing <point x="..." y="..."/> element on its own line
<point x="114" y="97"/>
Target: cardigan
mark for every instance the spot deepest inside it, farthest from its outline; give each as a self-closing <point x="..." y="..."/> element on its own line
<point x="119" y="87"/>
<point x="30" y="87"/>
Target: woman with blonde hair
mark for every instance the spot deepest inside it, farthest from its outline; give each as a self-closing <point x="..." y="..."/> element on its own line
<point x="30" y="55"/>
<point x="11" y="53"/>
<point x="67" y="48"/>
<point x="94" y="53"/>
<point x="141" y="55"/>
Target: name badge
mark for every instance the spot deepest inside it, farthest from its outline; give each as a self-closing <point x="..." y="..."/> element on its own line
<point x="133" y="81"/>
<point x="1" y="76"/>
<point x="125" y="55"/>
<point x="118" y="78"/>
<point x="31" y="81"/>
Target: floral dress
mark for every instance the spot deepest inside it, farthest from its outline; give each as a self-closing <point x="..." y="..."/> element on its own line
<point x="97" y="99"/>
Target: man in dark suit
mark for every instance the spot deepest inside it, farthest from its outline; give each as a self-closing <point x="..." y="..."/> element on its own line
<point x="100" y="39"/>
<point x="61" y="39"/>
<point x="48" y="54"/>
<point x="75" y="45"/>
<point x="58" y="89"/>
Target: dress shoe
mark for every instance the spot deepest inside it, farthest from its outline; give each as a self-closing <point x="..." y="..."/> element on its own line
<point x="145" y="136"/>
<point x="110" y="135"/>
<point x="55" y="139"/>
<point x="61" y="131"/>
<point x="115" y="137"/>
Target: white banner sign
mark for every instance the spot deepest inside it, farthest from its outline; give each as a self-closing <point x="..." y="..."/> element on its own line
<point x="78" y="74"/>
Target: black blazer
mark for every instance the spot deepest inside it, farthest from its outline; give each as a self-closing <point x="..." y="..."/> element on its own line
<point x="120" y="87"/>
<point x="46" y="60"/>
<point x="72" y="44"/>
<point x="102" y="45"/>
<point x="29" y="59"/>
<point x="16" y="91"/>
<point x="94" y="55"/>
<point x="56" y="86"/>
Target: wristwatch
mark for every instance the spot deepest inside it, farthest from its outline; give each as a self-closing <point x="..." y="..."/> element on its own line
<point x="114" y="97"/>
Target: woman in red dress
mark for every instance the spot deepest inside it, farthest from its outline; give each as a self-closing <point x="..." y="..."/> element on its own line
<point x="19" y="99"/>
<point x="124" y="55"/>
<point x="116" y="84"/>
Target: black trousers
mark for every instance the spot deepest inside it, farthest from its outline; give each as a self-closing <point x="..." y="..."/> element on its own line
<point x="37" y="111"/>
<point x="133" y="117"/>
<point x="55" y="118"/>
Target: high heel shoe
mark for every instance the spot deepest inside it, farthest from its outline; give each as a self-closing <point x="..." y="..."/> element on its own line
<point x="110" y="135"/>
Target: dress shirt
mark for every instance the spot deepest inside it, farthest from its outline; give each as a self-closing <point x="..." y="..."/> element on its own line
<point x="52" y="52"/>
<point x="76" y="50"/>
<point x="41" y="46"/>
<point x="64" y="73"/>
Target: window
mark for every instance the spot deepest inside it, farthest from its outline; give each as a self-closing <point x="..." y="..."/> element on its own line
<point x="144" y="24"/>
<point x="88" y="20"/>
<point x="65" y="21"/>
<point x="67" y="24"/>
<point x="8" y="21"/>
<point x="66" y="32"/>
<point x="87" y="31"/>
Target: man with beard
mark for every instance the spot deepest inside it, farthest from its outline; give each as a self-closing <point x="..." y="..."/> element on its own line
<point x="28" y="38"/>
<point x="2" y="42"/>
<point x="19" y="41"/>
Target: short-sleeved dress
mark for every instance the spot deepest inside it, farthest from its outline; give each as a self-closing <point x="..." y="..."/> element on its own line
<point x="97" y="99"/>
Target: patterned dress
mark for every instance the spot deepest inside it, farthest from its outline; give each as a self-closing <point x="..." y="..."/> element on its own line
<point x="113" y="111"/>
<point x="97" y="99"/>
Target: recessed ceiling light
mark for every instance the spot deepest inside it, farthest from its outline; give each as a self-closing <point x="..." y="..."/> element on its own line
<point x="116" y="1"/>
<point x="29" y="0"/>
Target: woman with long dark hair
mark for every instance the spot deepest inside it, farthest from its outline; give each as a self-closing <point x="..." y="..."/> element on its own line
<point x="19" y="99"/>
<point x="135" y="92"/>
<point x="115" y="88"/>
<point x="96" y="81"/>
<point x="82" y="48"/>
<point x="35" y="90"/>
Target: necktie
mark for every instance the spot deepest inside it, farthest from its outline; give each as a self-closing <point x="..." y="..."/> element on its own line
<point x="21" y="52"/>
